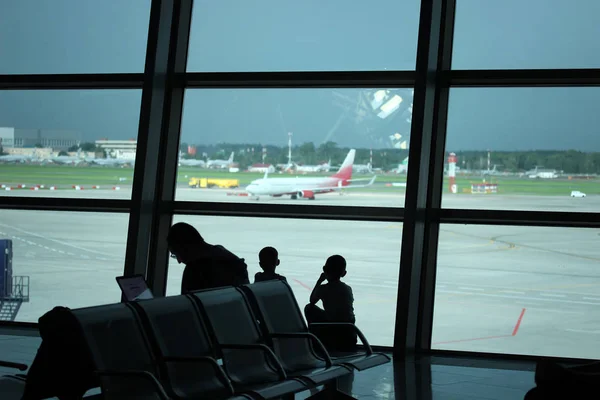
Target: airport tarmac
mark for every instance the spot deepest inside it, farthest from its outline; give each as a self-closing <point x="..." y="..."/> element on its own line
<point x="394" y="197"/>
<point x="527" y="290"/>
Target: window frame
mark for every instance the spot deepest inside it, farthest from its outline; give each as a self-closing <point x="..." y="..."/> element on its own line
<point x="163" y="84"/>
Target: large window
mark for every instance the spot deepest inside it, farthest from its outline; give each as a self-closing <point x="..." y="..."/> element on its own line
<point x="303" y="36"/>
<point x="520" y="290"/>
<point x="64" y="258"/>
<point x="72" y="36"/>
<point x="68" y="143"/>
<point x="310" y="143"/>
<point x="371" y="250"/>
<point x="523" y="149"/>
<point x="534" y="34"/>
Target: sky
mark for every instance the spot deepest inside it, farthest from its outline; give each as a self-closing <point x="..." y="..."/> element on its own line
<point x="109" y="36"/>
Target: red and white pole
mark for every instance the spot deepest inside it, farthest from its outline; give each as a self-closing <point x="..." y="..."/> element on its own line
<point x="452" y="172"/>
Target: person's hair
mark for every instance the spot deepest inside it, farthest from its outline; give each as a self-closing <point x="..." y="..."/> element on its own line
<point x="335" y="266"/>
<point x="268" y="257"/>
<point x="182" y="234"/>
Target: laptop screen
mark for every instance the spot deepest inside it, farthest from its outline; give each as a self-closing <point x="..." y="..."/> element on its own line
<point x="134" y="288"/>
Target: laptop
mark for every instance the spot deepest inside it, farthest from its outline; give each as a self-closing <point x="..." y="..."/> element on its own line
<point x="134" y="288"/>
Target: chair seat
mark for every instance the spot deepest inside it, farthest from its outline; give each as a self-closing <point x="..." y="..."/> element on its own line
<point x="319" y="376"/>
<point x="359" y="361"/>
<point x="11" y="387"/>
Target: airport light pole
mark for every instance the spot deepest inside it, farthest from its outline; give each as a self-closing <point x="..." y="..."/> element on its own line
<point x="452" y="172"/>
<point x="289" y="148"/>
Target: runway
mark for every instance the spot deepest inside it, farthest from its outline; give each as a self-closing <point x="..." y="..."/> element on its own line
<point x="527" y="290"/>
<point x="390" y="197"/>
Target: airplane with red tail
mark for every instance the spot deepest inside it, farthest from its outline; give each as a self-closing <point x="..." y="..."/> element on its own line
<point x="301" y="187"/>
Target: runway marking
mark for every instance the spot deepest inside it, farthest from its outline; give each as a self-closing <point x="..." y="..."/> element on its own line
<point x="518" y="325"/>
<point x="512" y="292"/>
<point x="469" y="288"/>
<point x="583" y="331"/>
<point x="61" y="242"/>
<point x="514" y="333"/>
<point x="552" y="295"/>
<point x="304" y="285"/>
<point x="520" y="297"/>
<point x="592" y="298"/>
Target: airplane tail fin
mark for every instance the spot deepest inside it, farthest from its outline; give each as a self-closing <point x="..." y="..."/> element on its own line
<point x="231" y="157"/>
<point x="345" y="171"/>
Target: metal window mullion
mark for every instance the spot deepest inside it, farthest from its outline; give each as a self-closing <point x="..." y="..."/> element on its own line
<point x="152" y="134"/>
<point x="72" y="81"/>
<point x="169" y="157"/>
<point x="419" y="236"/>
<point x="300" y="79"/>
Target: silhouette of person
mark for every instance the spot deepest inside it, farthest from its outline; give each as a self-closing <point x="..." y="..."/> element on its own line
<point x="338" y="305"/>
<point x="206" y="265"/>
<point x="268" y="261"/>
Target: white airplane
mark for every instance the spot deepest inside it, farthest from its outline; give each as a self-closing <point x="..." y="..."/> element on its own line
<point x="190" y="162"/>
<point x="313" y="168"/>
<point x="15" y="158"/>
<point x="307" y="187"/>
<point x="220" y="163"/>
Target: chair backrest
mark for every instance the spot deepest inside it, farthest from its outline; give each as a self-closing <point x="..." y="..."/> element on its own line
<point x="232" y="322"/>
<point x="278" y="312"/>
<point x="176" y="330"/>
<point x="117" y="342"/>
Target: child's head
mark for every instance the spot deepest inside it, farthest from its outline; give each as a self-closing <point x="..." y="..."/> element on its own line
<point x="335" y="268"/>
<point x="268" y="259"/>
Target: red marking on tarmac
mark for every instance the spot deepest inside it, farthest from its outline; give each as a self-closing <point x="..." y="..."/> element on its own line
<point x="304" y="285"/>
<point x="514" y="333"/>
<point x="518" y="325"/>
<point x="473" y="339"/>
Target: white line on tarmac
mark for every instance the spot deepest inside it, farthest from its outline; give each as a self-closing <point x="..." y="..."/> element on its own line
<point x="552" y="295"/>
<point x="512" y="292"/>
<point x="592" y="298"/>
<point x="53" y="240"/>
<point x="470" y="288"/>
<point x="551" y="310"/>
<point x="583" y="331"/>
<point x="522" y="297"/>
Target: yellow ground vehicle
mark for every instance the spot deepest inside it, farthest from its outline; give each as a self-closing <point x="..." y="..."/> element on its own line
<point x="208" y="183"/>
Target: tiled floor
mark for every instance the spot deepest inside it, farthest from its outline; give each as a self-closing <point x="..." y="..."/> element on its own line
<point x="419" y="378"/>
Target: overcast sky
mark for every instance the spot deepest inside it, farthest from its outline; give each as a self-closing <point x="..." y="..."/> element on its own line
<point x="109" y="36"/>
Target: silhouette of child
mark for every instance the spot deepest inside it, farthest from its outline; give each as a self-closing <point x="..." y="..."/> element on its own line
<point x="268" y="260"/>
<point x="337" y="298"/>
<point x="338" y="306"/>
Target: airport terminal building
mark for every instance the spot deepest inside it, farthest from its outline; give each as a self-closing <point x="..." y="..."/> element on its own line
<point x="457" y="281"/>
<point x="46" y="138"/>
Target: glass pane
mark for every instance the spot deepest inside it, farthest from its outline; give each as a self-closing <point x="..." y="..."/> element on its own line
<point x="68" y="259"/>
<point x="73" y="36"/>
<point x="68" y="143"/>
<point x="231" y="138"/>
<point x="304" y="246"/>
<point x="237" y="36"/>
<point x="532" y="34"/>
<point x="518" y="290"/>
<point x="523" y="149"/>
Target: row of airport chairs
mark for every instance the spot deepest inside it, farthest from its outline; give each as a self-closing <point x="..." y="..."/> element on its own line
<point x="248" y="342"/>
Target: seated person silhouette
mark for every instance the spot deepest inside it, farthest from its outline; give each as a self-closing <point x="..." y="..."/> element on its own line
<point x="338" y="306"/>
<point x="206" y="265"/>
<point x="268" y="261"/>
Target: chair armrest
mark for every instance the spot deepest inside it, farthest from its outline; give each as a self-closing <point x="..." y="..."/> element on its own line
<point x="266" y="349"/>
<point x="201" y="360"/>
<point x="8" y="364"/>
<point x="299" y="335"/>
<point x="134" y="373"/>
<point x="362" y="337"/>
